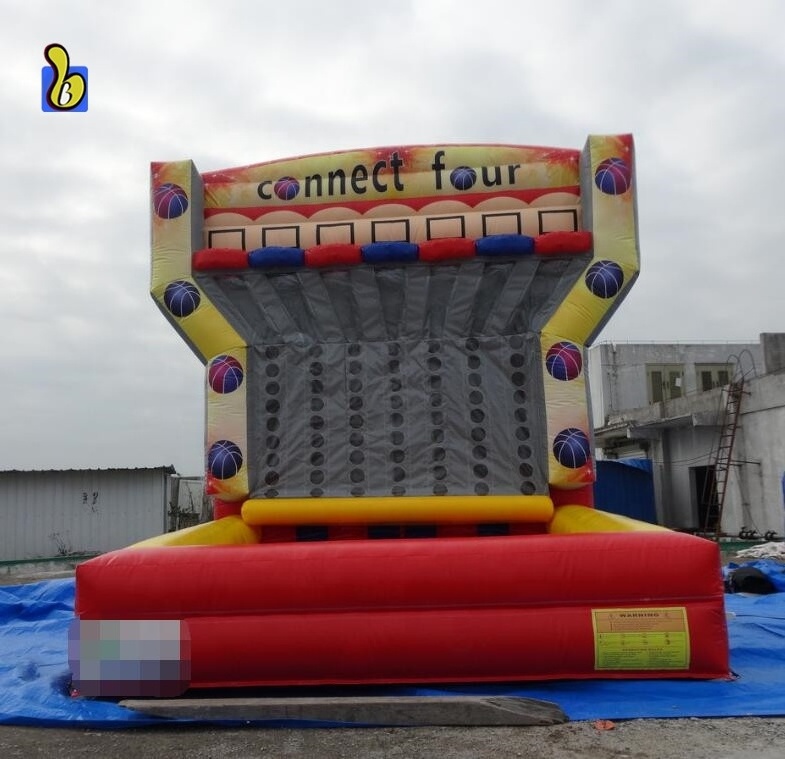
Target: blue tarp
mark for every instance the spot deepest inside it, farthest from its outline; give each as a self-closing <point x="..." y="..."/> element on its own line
<point x="34" y="675"/>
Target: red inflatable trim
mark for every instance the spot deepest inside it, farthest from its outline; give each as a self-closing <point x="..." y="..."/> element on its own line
<point x="447" y="248"/>
<point x="333" y="254"/>
<point x="554" y="243"/>
<point x="219" y="258"/>
<point x="412" y="610"/>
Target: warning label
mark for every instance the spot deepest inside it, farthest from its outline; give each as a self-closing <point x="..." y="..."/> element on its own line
<point x="641" y="639"/>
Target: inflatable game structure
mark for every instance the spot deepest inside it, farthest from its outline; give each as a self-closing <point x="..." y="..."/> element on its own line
<point x="398" y="439"/>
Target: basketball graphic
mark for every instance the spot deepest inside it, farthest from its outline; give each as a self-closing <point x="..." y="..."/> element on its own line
<point x="169" y="201"/>
<point x="463" y="178"/>
<point x="613" y="176"/>
<point x="286" y="188"/>
<point x="224" y="459"/>
<point x="181" y="298"/>
<point x="225" y="374"/>
<point x="571" y="448"/>
<point x="604" y="278"/>
<point x="564" y="361"/>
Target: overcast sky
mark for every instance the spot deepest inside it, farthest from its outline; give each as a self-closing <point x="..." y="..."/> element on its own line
<point x="94" y="376"/>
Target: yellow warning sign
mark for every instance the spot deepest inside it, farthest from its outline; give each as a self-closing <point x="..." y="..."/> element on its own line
<point x="641" y="638"/>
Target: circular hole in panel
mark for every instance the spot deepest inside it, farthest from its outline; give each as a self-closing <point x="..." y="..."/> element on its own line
<point x="357" y="491"/>
<point x="397" y="455"/>
<point x="396" y="401"/>
<point x="271" y="478"/>
<point x="272" y="370"/>
<point x="518" y="379"/>
<point x="474" y="362"/>
<point x="317" y="492"/>
<point x="355" y="367"/>
<point x="434" y="346"/>
<point x="355" y="403"/>
<point x="356" y="421"/>
<point x="396" y="437"/>
<point x="355" y="385"/>
<point x="516" y="341"/>
<point x="354" y="349"/>
<point x="433" y="364"/>
<point x="394" y="366"/>
<point x="273" y="423"/>
<point x="271" y="493"/>
<point x="317" y="477"/>
<point x="357" y="475"/>
<point x="475" y="380"/>
<point x="271" y="353"/>
<point x="520" y="396"/>
<point x="478" y="434"/>
<point x="524" y="452"/>
<point x="316" y="368"/>
<point x="272" y="388"/>
<point x="437" y="436"/>
<point x="272" y="407"/>
<point x="393" y="349"/>
<point x="520" y="414"/>
<point x="439" y="472"/>
<point x="436" y="399"/>
<point x="356" y="457"/>
<point x="439" y="454"/>
<point x="398" y="490"/>
<point x="527" y="488"/>
<point x="317" y="459"/>
<point x="476" y="397"/>
<point x="525" y="470"/>
<point x="440" y="489"/>
<point x="398" y="473"/>
<point x="522" y="433"/>
<point x="517" y="360"/>
<point x="272" y="442"/>
<point x="437" y="418"/>
<point x="480" y="470"/>
<point x="435" y="382"/>
<point x="317" y="422"/>
<point x="396" y="420"/>
<point x="317" y="386"/>
<point x="479" y="451"/>
<point x="317" y="441"/>
<point x="317" y="404"/>
<point x="481" y="488"/>
<point x="356" y="439"/>
<point x="477" y="415"/>
<point x="472" y="344"/>
<point x="273" y="459"/>
<point x="315" y="351"/>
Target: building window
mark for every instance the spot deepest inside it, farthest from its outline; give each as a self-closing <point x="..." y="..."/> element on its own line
<point x="666" y="381"/>
<point x="710" y="376"/>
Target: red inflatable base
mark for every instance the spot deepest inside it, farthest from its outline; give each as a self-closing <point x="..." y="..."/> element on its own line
<point x="612" y="605"/>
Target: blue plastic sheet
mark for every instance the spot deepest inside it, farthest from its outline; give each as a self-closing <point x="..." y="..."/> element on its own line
<point x="34" y="674"/>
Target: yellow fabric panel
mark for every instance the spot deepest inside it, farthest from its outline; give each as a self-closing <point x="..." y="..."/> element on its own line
<point x="397" y="509"/>
<point x="573" y="519"/>
<point x="227" y="531"/>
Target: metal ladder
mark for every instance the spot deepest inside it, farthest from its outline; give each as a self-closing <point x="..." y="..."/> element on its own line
<point x="721" y="456"/>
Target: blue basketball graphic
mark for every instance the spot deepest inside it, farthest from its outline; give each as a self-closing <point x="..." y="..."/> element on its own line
<point x="571" y="448"/>
<point x="604" y="278"/>
<point x="286" y="188"/>
<point x="225" y="374"/>
<point x="564" y="361"/>
<point x="613" y="176"/>
<point x="181" y="298"/>
<point x="463" y="178"/>
<point x="224" y="459"/>
<point x="169" y="201"/>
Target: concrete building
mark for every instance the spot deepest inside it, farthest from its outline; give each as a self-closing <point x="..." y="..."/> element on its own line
<point x="56" y="513"/>
<point x="668" y="403"/>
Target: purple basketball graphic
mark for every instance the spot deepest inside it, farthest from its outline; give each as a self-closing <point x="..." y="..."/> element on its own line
<point x="604" y="278"/>
<point x="225" y="374"/>
<point x="463" y="178"/>
<point x="571" y="448"/>
<point x="286" y="188"/>
<point x="169" y="201"/>
<point x="613" y="176"/>
<point x="224" y="459"/>
<point x="564" y="361"/>
<point x="181" y="298"/>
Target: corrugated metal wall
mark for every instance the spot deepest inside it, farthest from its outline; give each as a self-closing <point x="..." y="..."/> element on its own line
<point x="51" y="513"/>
